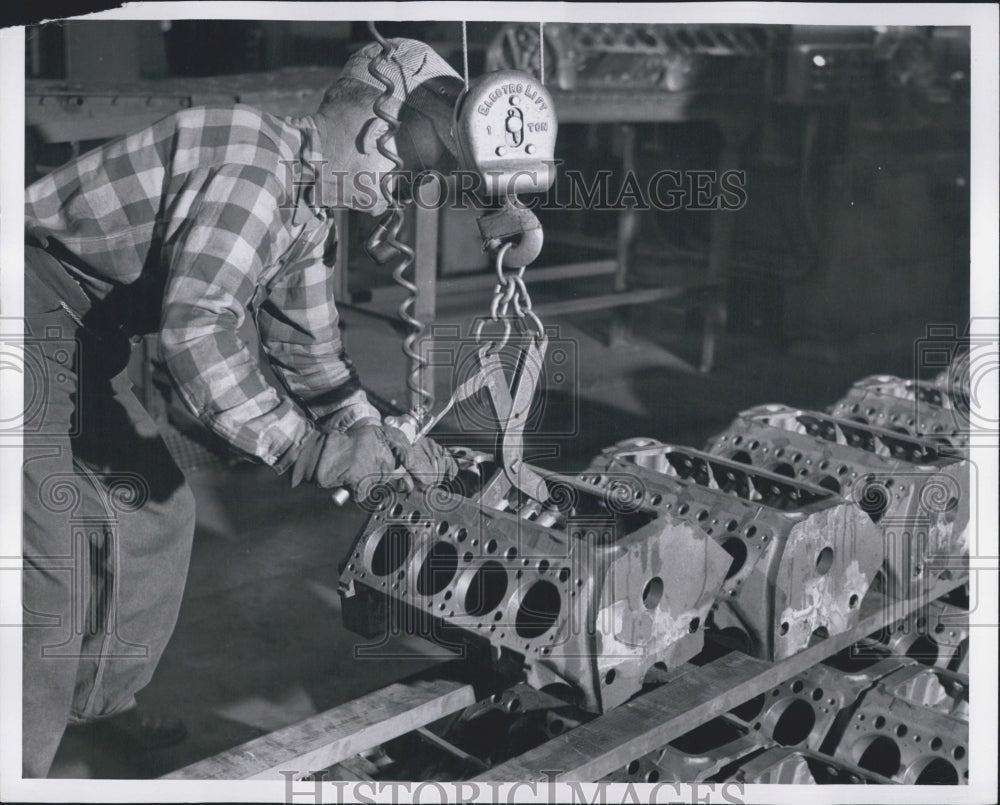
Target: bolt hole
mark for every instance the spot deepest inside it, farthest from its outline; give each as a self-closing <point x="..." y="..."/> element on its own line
<point x="824" y="561"/>
<point x="652" y="592"/>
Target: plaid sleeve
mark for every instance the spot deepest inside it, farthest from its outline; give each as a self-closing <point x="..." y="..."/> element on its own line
<point x="300" y="332"/>
<point x="216" y="258"/>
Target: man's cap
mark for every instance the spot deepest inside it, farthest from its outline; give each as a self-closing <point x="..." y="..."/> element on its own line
<point x="421" y="80"/>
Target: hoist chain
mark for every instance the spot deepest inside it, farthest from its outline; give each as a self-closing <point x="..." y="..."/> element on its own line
<point x="509" y="291"/>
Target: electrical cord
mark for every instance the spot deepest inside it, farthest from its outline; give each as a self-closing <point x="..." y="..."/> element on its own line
<point x="420" y="397"/>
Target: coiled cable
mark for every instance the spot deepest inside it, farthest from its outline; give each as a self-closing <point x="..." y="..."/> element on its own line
<point x="420" y="398"/>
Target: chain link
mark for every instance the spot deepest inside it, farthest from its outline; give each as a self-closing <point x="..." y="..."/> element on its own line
<point x="509" y="290"/>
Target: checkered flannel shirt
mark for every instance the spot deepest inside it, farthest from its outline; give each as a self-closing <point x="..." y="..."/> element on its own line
<point x="202" y="207"/>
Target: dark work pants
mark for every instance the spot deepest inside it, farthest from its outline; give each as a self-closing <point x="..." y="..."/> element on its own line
<point x="108" y="523"/>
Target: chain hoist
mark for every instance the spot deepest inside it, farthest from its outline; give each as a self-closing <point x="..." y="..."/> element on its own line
<point x="505" y="130"/>
<point x="505" y="126"/>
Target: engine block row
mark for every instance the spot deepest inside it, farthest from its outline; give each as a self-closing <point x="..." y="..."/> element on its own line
<point x="767" y="541"/>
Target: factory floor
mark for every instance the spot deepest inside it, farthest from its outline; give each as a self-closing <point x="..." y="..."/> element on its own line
<point x="259" y="642"/>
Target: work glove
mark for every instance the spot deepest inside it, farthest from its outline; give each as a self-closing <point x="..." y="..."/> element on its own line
<point x="358" y="459"/>
<point x="427" y="462"/>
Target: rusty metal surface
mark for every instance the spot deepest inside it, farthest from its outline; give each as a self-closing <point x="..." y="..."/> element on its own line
<point x="590" y="592"/>
<point x="781" y="765"/>
<point x="937" y="635"/>
<point x="912" y="488"/>
<point x="912" y="727"/>
<point x="799" y="713"/>
<point x="919" y="408"/>
<point x="801" y="557"/>
<point x="728" y="589"/>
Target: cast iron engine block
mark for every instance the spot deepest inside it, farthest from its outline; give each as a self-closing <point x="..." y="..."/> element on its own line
<point x="768" y="543"/>
<point x="591" y="591"/>
<point x="802" y="558"/>
<point x="913" y="488"/>
<point x="929" y="409"/>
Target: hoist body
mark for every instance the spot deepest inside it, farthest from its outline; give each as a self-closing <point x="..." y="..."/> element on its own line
<point x="505" y="125"/>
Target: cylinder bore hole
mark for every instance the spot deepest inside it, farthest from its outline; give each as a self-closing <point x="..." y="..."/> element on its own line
<point x="880" y="755"/>
<point x="652" y="592"/>
<point x="829" y="482"/>
<point x="633" y="768"/>
<point x="936" y="743"/>
<point x="783" y="629"/>
<point x="938" y="771"/>
<point x="391" y="550"/>
<point x="511" y="554"/>
<point x="609" y="677"/>
<point x="539" y="610"/>
<point x="784" y="468"/>
<point x="737" y="549"/>
<point x="487" y="588"/>
<point x="438" y="569"/>
<point x="795" y="723"/>
<point x="824" y="561"/>
<point x="491" y="546"/>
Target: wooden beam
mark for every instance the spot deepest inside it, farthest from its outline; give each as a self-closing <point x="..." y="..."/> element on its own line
<point x="691" y="696"/>
<point x="335" y="735"/>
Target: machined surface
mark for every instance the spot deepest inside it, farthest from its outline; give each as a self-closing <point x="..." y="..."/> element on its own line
<point x="590" y="592"/>
<point x="919" y="408"/>
<point x="801" y="558"/>
<point x="913" y="489"/>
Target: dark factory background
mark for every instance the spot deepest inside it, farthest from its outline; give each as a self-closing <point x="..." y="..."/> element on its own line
<point x="853" y="239"/>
